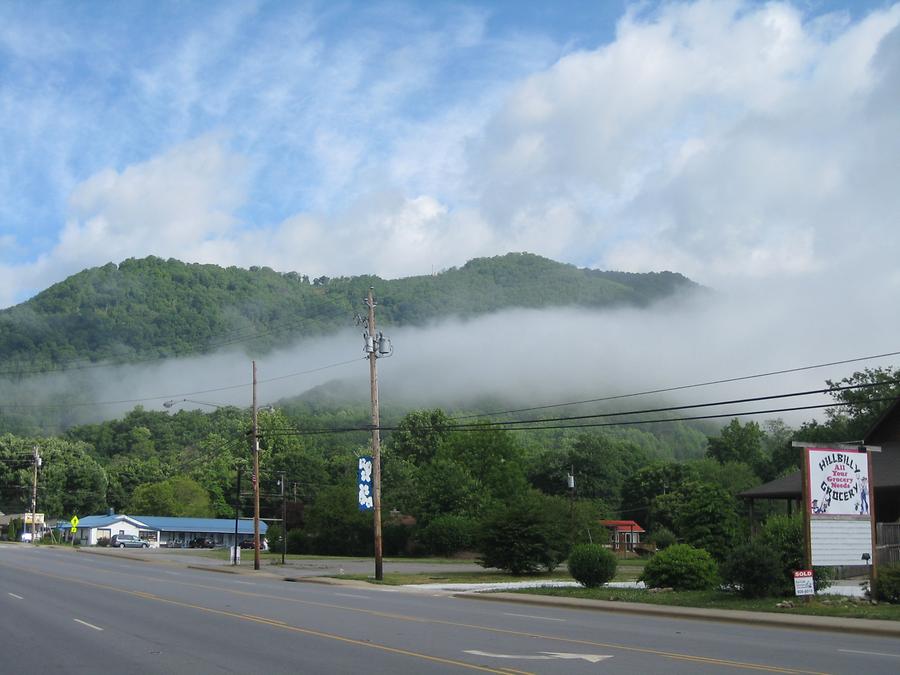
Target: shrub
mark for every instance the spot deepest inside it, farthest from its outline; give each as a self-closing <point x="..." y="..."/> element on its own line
<point x="753" y="570"/>
<point x="296" y="541"/>
<point x="663" y="538"/>
<point x="448" y="534"/>
<point x="889" y="583"/>
<point x="395" y="538"/>
<point x="103" y="541"/>
<point x="784" y="535"/>
<point x="523" y="536"/>
<point x="681" y="567"/>
<point x="592" y="565"/>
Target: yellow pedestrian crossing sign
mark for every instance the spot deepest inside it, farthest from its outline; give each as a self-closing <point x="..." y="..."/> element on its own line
<point x="74" y="522"/>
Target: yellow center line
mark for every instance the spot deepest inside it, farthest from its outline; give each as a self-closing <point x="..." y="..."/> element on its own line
<point x="503" y="631"/>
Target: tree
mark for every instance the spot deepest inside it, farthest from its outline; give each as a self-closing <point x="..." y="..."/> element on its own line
<point x="738" y="443"/>
<point x="179" y="497"/>
<point x="419" y="434"/>
<point x="641" y="489"/>
<point x="703" y="515"/>
<point x="525" y="535"/>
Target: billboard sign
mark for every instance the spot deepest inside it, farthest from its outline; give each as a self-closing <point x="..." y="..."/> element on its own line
<point x="838" y="483"/>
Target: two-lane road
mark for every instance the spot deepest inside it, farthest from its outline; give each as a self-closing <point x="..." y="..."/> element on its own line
<point x="61" y="611"/>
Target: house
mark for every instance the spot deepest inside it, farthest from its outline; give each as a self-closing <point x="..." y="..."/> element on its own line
<point x="623" y="534"/>
<point x="5" y="520"/>
<point x="164" y="531"/>
<point x="885" y="484"/>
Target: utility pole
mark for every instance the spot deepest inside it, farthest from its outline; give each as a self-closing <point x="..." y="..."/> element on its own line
<point x="376" y="345"/>
<point x="283" y="519"/>
<point x="37" y="463"/>
<point x="237" y="513"/>
<point x="255" y="476"/>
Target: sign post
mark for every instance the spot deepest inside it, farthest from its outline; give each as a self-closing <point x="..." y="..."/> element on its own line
<point x="74" y="523"/>
<point x="838" y="507"/>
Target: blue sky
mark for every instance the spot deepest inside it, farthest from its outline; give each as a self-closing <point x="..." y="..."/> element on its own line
<point x="745" y="144"/>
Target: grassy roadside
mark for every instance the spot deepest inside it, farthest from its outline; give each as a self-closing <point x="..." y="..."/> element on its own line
<point x="823" y="605"/>
<point x="624" y="573"/>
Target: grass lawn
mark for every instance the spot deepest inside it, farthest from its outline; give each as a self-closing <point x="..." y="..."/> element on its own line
<point x="833" y="605"/>
<point x="274" y="557"/>
<point x="624" y="573"/>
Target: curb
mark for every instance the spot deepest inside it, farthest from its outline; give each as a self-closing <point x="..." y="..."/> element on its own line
<point x="880" y="627"/>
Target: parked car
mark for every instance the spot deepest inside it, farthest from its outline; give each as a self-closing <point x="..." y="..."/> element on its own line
<point x="202" y="542"/>
<point x="127" y="541"/>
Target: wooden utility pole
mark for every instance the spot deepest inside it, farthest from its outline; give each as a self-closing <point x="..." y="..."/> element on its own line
<point x="255" y="476"/>
<point x="37" y="459"/>
<point x="372" y="348"/>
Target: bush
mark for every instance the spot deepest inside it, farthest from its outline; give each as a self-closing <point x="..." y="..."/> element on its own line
<point x="448" y="534"/>
<point x="663" y="538"/>
<point x="784" y="535"/>
<point x="592" y="565"/>
<point x="103" y="541"/>
<point x="524" y="536"/>
<point x="296" y="541"/>
<point x="753" y="570"/>
<point x="681" y="567"/>
<point x="395" y="538"/>
<point x="889" y="583"/>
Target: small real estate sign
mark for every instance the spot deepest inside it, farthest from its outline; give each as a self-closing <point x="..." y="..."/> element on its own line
<point x="840" y="518"/>
<point x="803" y="582"/>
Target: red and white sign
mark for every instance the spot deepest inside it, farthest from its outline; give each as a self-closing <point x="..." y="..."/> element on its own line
<point x="803" y="582"/>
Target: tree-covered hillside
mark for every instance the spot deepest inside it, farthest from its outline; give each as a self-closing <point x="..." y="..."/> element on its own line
<point x="149" y="308"/>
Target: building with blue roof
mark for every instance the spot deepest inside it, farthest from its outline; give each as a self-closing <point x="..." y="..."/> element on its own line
<point x="165" y="531"/>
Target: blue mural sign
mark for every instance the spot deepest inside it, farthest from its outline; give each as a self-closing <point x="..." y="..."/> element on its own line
<point x="364" y="483"/>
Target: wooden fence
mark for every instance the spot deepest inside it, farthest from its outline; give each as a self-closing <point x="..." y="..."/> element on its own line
<point x="887" y="536"/>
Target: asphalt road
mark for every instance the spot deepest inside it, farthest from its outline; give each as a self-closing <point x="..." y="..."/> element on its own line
<point x="65" y="612"/>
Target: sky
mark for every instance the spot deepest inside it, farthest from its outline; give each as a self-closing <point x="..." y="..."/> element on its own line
<point x="752" y="146"/>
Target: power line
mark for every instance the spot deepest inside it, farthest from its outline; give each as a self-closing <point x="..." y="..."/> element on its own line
<point x="680" y="387"/>
<point x="509" y="425"/>
<point x="752" y="399"/>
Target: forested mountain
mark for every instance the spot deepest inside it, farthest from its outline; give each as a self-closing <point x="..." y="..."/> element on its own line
<point x="149" y="308"/>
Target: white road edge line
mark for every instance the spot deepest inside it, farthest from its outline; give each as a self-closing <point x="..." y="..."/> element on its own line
<point x="532" y="616"/>
<point x="18" y="597"/>
<point x="85" y="623"/>
<point x="351" y="595"/>
<point x="856" y="651"/>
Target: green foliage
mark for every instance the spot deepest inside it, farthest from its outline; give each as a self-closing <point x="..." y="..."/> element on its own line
<point x="448" y="534"/>
<point x="297" y="541"/>
<point x="753" y="570"/>
<point x="602" y="463"/>
<point x="662" y="538"/>
<point x="736" y="443"/>
<point x="179" y="497"/>
<point x="889" y="583"/>
<point x="641" y="489"/>
<point x="336" y="526"/>
<point x="592" y="565"/>
<point x="524" y="535"/>
<point x="103" y="541"/>
<point x="12" y="530"/>
<point x="784" y="535"/>
<point x="395" y="538"/>
<point x="154" y="307"/>
<point x="418" y="435"/>
<point x="703" y="514"/>
<point x="681" y="567"/>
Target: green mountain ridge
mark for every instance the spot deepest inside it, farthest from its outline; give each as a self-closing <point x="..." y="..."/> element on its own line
<point x="144" y="309"/>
